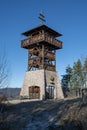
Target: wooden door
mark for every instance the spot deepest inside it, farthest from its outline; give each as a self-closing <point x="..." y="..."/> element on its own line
<point x="34" y="92"/>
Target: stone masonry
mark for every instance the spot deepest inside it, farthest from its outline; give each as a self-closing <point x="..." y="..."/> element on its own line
<point x="42" y="78"/>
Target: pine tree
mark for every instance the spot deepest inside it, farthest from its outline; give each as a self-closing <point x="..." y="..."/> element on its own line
<point x="85" y="73"/>
<point x="66" y="79"/>
<point x="85" y="65"/>
<point x="76" y="77"/>
<point x="77" y="74"/>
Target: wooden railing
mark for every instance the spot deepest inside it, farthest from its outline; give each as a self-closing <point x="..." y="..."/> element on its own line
<point x="35" y="62"/>
<point x="53" y="41"/>
<point x="50" y="55"/>
<point x="50" y="67"/>
<point x="37" y="38"/>
<point x="41" y="37"/>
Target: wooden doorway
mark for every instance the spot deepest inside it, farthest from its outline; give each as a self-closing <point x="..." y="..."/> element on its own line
<point x="34" y="92"/>
<point x="49" y="92"/>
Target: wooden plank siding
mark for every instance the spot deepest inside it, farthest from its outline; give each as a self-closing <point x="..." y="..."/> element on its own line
<point x="26" y="43"/>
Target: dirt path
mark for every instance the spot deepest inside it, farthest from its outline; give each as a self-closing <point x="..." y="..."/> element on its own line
<point x="45" y="115"/>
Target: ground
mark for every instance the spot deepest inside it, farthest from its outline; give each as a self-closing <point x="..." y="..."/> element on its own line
<point x="67" y="114"/>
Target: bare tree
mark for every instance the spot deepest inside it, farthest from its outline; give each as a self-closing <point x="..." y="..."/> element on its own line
<point x="4" y="71"/>
<point x="4" y="77"/>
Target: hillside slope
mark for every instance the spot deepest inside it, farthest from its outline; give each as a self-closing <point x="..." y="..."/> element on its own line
<point x="70" y="114"/>
<point x="11" y="93"/>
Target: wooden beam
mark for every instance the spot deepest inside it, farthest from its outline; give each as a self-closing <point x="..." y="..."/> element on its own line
<point x="42" y="56"/>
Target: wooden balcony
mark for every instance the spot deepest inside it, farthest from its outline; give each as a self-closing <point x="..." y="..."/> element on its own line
<point x="50" y="67"/>
<point x="41" y="38"/>
<point x="36" y="63"/>
<point x="32" y="40"/>
<point x="50" y="55"/>
<point x="34" y="51"/>
<point x="30" y="61"/>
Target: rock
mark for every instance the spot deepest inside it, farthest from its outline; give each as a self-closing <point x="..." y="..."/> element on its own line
<point x="2" y="98"/>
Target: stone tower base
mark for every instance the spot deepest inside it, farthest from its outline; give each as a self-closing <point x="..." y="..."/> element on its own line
<point x="41" y="84"/>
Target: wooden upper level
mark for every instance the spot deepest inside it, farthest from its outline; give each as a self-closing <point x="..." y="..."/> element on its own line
<point x="41" y="35"/>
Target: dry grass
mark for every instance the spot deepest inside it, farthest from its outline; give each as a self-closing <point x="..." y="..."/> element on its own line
<point x="44" y="115"/>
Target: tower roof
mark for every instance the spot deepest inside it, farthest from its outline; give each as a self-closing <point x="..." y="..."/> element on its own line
<point x="42" y="27"/>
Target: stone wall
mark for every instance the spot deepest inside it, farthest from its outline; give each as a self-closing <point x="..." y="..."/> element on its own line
<point x="33" y="78"/>
<point x="52" y="79"/>
<point x="42" y="78"/>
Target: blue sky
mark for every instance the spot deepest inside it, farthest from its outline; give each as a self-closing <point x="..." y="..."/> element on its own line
<point x="68" y="17"/>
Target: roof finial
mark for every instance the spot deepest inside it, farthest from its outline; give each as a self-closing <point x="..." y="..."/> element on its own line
<point x="42" y="17"/>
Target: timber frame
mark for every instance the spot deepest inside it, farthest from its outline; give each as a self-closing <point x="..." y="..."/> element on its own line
<point x="42" y="44"/>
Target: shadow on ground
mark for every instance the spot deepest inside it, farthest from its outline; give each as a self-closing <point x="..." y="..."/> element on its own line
<point x="68" y="114"/>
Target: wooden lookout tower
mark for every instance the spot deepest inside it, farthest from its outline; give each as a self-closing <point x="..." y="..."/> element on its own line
<point x="41" y="79"/>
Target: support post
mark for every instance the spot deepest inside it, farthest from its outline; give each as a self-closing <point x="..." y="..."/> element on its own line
<point x="55" y="59"/>
<point x="42" y="56"/>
